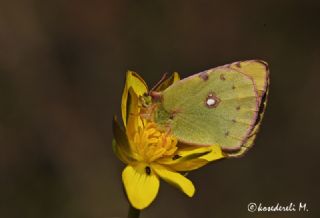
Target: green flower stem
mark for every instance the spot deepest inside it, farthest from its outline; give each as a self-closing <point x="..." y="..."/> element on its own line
<point x="133" y="212"/>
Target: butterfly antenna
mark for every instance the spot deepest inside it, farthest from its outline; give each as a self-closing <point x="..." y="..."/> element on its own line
<point x="159" y="83"/>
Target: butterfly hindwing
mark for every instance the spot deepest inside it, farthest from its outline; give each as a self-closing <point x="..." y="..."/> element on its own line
<point x="258" y="70"/>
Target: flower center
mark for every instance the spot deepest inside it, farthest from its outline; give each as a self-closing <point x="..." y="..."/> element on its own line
<point x="150" y="143"/>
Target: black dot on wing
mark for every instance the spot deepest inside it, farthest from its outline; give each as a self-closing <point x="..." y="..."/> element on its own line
<point x="226" y="133"/>
<point x="234" y="121"/>
<point x="238" y="108"/>
<point x="233" y="87"/>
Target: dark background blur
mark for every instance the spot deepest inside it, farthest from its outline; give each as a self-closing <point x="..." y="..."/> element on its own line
<point x="62" y="67"/>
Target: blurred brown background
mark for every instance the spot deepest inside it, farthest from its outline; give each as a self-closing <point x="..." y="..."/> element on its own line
<point x="62" y="67"/>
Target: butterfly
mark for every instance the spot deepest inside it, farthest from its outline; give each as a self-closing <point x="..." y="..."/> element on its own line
<point x="221" y="106"/>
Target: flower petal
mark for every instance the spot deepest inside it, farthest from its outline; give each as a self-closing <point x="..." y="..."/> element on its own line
<point x="192" y="157"/>
<point x="185" y="153"/>
<point x="134" y="81"/>
<point x="174" y="178"/>
<point x="141" y="188"/>
<point x="215" y="154"/>
<point x="133" y="111"/>
<point x="189" y="165"/>
<point x="119" y="153"/>
<point x="120" y="144"/>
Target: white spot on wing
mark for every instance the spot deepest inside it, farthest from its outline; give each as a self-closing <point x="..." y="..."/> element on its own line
<point x="210" y="102"/>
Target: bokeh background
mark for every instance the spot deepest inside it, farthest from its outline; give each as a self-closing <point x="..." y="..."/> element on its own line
<point x="62" y="68"/>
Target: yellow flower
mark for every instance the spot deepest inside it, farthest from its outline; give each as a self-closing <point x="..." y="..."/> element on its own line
<point x="152" y="153"/>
